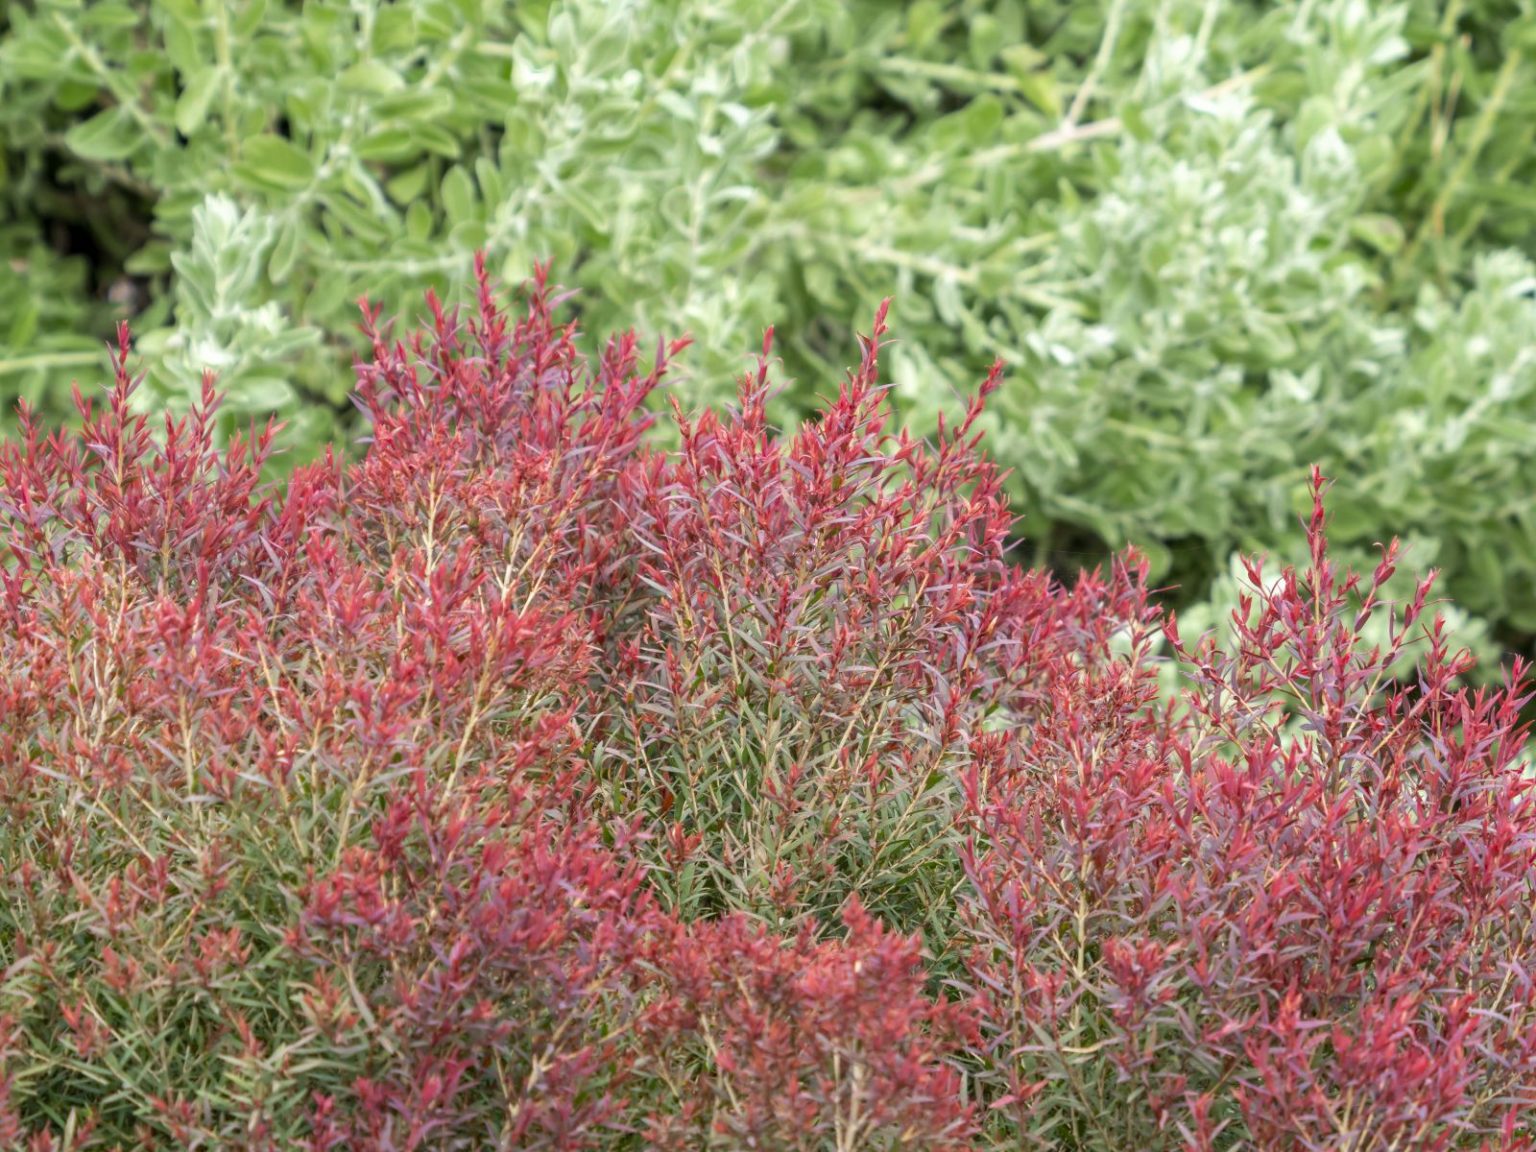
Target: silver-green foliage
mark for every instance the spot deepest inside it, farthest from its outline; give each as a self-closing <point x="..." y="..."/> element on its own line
<point x="1226" y="286"/>
<point x="304" y="155"/>
<point x="1216" y="241"/>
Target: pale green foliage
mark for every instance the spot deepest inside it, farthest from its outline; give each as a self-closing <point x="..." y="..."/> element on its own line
<point x="219" y="327"/>
<point x="381" y="144"/>
<point x="1206" y="280"/>
<point x="45" y="317"/>
<point x="1452" y="452"/>
<point x="1215" y="241"/>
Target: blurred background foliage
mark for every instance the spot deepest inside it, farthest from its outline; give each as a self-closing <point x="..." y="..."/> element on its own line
<point x="1215" y="241"/>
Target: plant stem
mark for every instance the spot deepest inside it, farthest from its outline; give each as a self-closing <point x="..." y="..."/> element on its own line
<point x="49" y="360"/>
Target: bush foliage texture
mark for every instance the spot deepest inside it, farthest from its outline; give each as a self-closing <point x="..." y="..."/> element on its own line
<point x="1216" y="241"/>
<point x="524" y="785"/>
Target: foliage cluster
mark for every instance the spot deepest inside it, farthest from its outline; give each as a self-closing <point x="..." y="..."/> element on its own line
<point x="1216" y="241"/>
<point x="524" y="785"/>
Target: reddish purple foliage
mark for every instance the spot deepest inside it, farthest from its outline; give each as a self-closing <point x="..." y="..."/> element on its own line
<point x="1292" y="909"/>
<point x="303" y="841"/>
<point x="831" y="616"/>
<point x="794" y="1044"/>
<point x="505" y="788"/>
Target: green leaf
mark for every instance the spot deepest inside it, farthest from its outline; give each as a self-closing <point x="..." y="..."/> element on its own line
<point x="394" y="30"/>
<point x="332" y="291"/>
<point x="605" y="53"/>
<point x="419" y="106"/>
<point x="1519" y="35"/>
<point x="192" y="105"/>
<point x="1134" y="116"/>
<point x="356" y="219"/>
<point x="439" y="141"/>
<point x="396" y="143"/>
<point x="23" y="324"/>
<point x="488" y="176"/>
<point x="985" y="40"/>
<point x="523" y="135"/>
<point x="1041" y="90"/>
<point x="370" y="77"/>
<point x="458" y="193"/>
<point x="562" y="33"/>
<point x="272" y="162"/>
<point x="73" y="96"/>
<point x="1159" y="557"/>
<point x="285" y="252"/>
<point x="253" y="393"/>
<point x="468" y="235"/>
<point x="388" y="145"/>
<point x="418" y="221"/>
<point x="925" y="20"/>
<point x="185" y="11"/>
<point x="409" y="186"/>
<point x="108" y="15"/>
<point x="181" y="46"/>
<point x="151" y="260"/>
<point x="983" y="118"/>
<point x="108" y="136"/>
<point x="1023" y="59"/>
<point x="249" y="17"/>
<point x="1381" y="233"/>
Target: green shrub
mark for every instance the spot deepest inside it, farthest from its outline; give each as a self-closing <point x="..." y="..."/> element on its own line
<point x="1222" y="270"/>
<point x="374" y="147"/>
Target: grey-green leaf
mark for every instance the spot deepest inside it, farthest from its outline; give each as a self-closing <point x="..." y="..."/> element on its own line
<point x="273" y="162"/>
<point x="108" y="136"/>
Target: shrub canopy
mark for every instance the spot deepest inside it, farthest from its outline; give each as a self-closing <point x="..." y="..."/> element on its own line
<point x="523" y="785"/>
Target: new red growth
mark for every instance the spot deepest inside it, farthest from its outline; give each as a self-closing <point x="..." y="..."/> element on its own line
<point x="524" y="785"/>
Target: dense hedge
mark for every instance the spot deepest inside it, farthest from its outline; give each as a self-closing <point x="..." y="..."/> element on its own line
<point x="1215" y="241"/>
<point x="521" y="785"/>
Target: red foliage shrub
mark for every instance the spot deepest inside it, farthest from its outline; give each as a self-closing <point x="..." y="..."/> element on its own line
<point x="504" y="789"/>
<point x="499" y="446"/>
<point x="829" y="621"/>
<point x="1291" y="908"/>
<point x="299" y="840"/>
<point x="501" y="957"/>
<point x="293" y="833"/>
<point x="763" y="1042"/>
